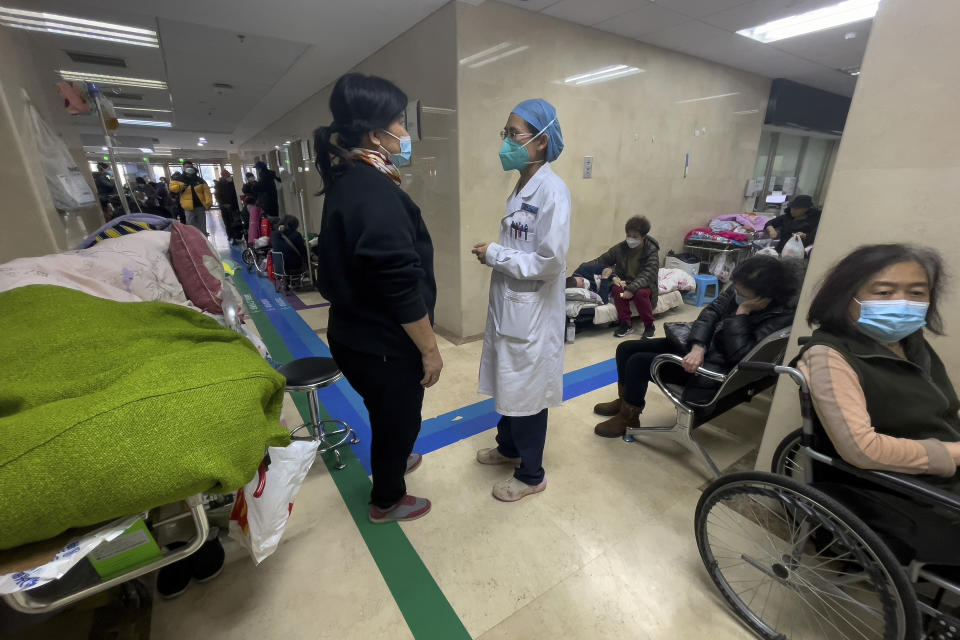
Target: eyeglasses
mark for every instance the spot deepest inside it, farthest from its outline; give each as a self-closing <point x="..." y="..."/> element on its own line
<point x="513" y="135"/>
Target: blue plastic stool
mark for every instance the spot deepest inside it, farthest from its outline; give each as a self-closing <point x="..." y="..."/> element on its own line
<point x="700" y="297"/>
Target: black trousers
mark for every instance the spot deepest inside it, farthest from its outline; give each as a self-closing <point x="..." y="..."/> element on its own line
<point x="391" y="391"/>
<point x="633" y="368"/>
<point x="524" y="437"/>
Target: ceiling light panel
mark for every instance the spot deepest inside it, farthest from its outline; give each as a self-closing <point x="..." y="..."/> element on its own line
<point x="812" y="21"/>
<point x="122" y="108"/>
<point x="78" y="27"/>
<point x="145" y="123"/>
<point x="122" y="81"/>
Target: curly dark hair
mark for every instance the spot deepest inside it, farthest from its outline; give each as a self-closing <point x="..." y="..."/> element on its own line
<point x="830" y="307"/>
<point x="768" y="277"/>
<point x="639" y="224"/>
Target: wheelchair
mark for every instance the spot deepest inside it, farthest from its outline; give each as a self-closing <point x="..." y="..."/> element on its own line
<point x="793" y="562"/>
<point x="284" y="282"/>
<point x="255" y="258"/>
<point x="740" y="385"/>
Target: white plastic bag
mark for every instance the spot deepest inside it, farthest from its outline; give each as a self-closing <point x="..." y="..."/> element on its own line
<point x="68" y="188"/>
<point x="722" y="266"/>
<point x="264" y="504"/>
<point x="793" y="249"/>
<point x="75" y="551"/>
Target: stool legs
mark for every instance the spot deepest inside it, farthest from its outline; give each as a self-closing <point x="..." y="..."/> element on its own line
<point x="328" y="441"/>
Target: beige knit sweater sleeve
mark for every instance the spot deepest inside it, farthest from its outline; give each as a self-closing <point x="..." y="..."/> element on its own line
<point x="842" y="409"/>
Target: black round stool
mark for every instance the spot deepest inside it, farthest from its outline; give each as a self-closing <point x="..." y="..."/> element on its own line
<point x="309" y="375"/>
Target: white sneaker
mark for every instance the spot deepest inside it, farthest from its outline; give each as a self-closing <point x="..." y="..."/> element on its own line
<point x="493" y="456"/>
<point x="511" y="489"/>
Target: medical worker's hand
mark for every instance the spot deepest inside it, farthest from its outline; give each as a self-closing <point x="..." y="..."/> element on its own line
<point x="480" y="250"/>
<point x="432" y="366"/>
<point x="694" y="359"/>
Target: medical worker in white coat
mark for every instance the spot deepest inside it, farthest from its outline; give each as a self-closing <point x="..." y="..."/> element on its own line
<point x="522" y="362"/>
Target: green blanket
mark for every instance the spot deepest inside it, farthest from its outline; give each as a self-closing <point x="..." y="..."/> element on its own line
<point x="110" y="408"/>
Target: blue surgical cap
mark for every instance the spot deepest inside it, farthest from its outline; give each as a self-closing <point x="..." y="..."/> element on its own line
<point x="541" y="115"/>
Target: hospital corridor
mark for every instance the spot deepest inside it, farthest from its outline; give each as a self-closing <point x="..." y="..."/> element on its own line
<point x="490" y="319"/>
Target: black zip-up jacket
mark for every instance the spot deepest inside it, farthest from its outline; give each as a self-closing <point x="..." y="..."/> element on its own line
<point x="729" y="337"/>
<point x="376" y="263"/>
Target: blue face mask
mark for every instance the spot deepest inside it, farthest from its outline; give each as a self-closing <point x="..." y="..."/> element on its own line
<point x="891" y="321"/>
<point x="401" y="159"/>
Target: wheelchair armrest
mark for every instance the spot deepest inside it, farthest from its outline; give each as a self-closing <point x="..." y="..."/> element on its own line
<point x="671" y="358"/>
<point x="902" y="483"/>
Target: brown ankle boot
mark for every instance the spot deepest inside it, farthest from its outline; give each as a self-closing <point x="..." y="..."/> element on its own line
<point x="616" y="426"/>
<point x="611" y="408"/>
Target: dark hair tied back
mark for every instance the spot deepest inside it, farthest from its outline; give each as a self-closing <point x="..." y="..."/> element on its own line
<point x="359" y="104"/>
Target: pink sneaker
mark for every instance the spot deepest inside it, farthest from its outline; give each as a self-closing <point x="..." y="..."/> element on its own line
<point x="511" y="489"/>
<point x="409" y="508"/>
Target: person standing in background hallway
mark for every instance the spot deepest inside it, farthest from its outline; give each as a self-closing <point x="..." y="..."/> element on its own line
<point x="252" y="219"/>
<point x="194" y="196"/>
<point x="266" y="190"/>
<point x="226" y="193"/>
<point x="376" y="270"/>
<point x="522" y="361"/>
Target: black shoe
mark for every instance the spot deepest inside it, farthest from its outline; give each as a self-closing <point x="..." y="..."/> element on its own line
<point x="208" y="561"/>
<point x="649" y="332"/>
<point x="624" y="330"/>
<point x="173" y="579"/>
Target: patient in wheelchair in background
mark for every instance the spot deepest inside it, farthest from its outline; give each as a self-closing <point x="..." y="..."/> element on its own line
<point x="883" y="395"/>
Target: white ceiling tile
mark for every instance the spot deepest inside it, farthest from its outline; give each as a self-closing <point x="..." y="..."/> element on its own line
<point x="700" y="8"/>
<point x="531" y="5"/>
<point x="758" y="12"/>
<point x="648" y="18"/>
<point x="830" y="48"/>
<point x="590" y="12"/>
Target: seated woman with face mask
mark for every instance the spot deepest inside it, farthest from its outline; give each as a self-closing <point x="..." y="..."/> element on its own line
<point x="759" y="303"/>
<point x="880" y="391"/>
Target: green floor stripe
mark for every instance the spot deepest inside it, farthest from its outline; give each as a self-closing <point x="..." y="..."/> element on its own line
<point x="422" y="603"/>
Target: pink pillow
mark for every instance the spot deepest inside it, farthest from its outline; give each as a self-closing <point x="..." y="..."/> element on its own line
<point x="197" y="267"/>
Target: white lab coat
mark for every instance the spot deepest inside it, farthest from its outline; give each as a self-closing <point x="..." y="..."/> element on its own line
<point x="522" y="361"/>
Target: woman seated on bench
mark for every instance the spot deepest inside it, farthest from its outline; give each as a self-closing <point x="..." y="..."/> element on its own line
<point x="757" y="304"/>
<point x="881" y="393"/>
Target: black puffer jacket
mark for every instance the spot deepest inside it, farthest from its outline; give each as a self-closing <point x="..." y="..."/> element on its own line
<point x="729" y="337"/>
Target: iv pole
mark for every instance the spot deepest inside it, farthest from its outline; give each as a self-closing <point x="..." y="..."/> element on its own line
<point x="95" y="91"/>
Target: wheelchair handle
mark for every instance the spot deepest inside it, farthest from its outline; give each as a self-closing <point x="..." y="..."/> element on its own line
<point x="769" y="367"/>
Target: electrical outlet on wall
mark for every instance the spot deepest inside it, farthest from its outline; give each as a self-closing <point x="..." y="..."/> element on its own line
<point x="587" y="167"/>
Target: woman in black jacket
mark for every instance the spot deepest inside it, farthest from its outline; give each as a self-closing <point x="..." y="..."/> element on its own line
<point x="759" y="302"/>
<point x="376" y="270"/>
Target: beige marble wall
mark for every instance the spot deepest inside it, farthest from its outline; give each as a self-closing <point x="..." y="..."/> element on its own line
<point x="422" y="62"/>
<point x="637" y="129"/>
<point x="31" y="224"/>
<point x="897" y="172"/>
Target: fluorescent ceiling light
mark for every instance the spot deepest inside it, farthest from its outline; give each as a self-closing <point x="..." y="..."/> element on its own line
<point x="438" y="110"/>
<point x="746" y="112"/>
<point x="146" y="149"/>
<point x="78" y="27"/>
<point x="118" y="107"/>
<point x="501" y="56"/>
<point x="602" y="75"/>
<point x="719" y="95"/>
<point x="817" y="20"/>
<point x="486" y="52"/>
<point x="105" y="149"/>
<point x="145" y="123"/>
<point x="851" y="71"/>
<point x="81" y="76"/>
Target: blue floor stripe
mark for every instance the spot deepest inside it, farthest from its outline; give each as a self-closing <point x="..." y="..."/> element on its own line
<point x="342" y="401"/>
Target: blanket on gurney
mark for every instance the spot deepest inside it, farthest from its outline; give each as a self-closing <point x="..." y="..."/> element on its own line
<point x="112" y="408"/>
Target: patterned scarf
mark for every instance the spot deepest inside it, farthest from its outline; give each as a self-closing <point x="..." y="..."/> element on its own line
<point x="378" y="161"/>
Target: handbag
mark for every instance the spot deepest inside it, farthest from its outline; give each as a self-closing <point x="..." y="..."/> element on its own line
<point x="678" y="333"/>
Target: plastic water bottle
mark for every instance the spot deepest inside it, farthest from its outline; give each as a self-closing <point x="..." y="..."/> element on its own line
<point x="571" y="331"/>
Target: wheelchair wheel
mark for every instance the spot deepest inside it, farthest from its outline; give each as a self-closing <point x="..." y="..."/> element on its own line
<point x="789" y="459"/>
<point x="249" y="259"/>
<point x="794" y="564"/>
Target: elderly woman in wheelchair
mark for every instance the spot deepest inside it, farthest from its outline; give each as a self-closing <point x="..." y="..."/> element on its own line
<point x="858" y="538"/>
<point x="757" y="305"/>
